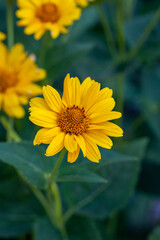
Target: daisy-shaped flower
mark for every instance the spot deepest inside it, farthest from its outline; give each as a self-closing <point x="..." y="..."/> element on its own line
<point x="39" y="16"/>
<point x="2" y="36"/>
<point x="80" y="120"/>
<point x="18" y="72"/>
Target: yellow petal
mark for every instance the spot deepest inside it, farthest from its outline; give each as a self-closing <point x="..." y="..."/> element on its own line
<point x="91" y="96"/>
<point x="67" y="93"/>
<point x="56" y="145"/>
<point x="81" y="143"/>
<point x="39" y="103"/>
<point x="46" y="135"/>
<point x="92" y="151"/>
<point x="70" y="143"/>
<point x="30" y="90"/>
<point x="76" y="91"/>
<point x="105" y="93"/>
<point x="108" y="128"/>
<point x="103" y="106"/>
<point x="43" y="118"/>
<point x="16" y="55"/>
<point x="52" y="98"/>
<point x="100" y="139"/>
<point x="72" y="157"/>
<point x="41" y="114"/>
<point x="12" y="107"/>
<point x="105" y="117"/>
<point x="86" y="84"/>
<point x="3" y="55"/>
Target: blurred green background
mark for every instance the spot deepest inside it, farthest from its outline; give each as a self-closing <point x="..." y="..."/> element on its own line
<point x="117" y="43"/>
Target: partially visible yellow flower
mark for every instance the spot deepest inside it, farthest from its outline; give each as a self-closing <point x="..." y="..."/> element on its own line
<point x="80" y="120"/>
<point x="2" y="36"/>
<point x="18" y="72"/>
<point x="38" y="16"/>
<point x="82" y="3"/>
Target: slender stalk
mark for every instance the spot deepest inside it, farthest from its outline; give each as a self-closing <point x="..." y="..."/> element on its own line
<point x="120" y="26"/>
<point x="44" y="203"/>
<point x="45" y="45"/>
<point x="129" y="8"/>
<point x="10" y="23"/>
<point x="8" y="125"/>
<point x="58" y="163"/>
<point x="145" y="35"/>
<point x="107" y="31"/>
<point x="58" y="209"/>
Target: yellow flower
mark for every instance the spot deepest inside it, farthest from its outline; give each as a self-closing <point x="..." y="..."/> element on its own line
<point x="2" y="36"/>
<point x="41" y="15"/>
<point x="82" y="3"/>
<point x="80" y="120"/>
<point x="18" y="72"/>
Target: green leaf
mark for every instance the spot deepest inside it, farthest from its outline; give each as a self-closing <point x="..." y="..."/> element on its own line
<point x="135" y="27"/>
<point x="151" y="98"/>
<point x="155" y="235"/>
<point x="29" y="160"/>
<point x="101" y="200"/>
<point x="18" y="208"/>
<point x="74" y="174"/>
<point x="44" y="230"/>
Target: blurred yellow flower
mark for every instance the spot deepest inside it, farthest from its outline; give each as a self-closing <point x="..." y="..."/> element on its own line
<point x="2" y="36"/>
<point x="80" y="120"/>
<point x="18" y="72"/>
<point x="41" y="15"/>
<point x="82" y="3"/>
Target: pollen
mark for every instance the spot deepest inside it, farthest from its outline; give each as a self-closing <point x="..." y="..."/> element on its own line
<point x="48" y="12"/>
<point x="73" y="120"/>
<point x="8" y="79"/>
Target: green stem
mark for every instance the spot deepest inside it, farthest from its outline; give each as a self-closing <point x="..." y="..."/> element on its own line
<point x="8" y="125"/>
<point x="58" y="210"/>
<point x="129" y="8"/>
<point x="10" y="23"/>
<point x="120" y="27"/>
<point x="44" y="203"/>
<point x="145" y="35"/>
<point x="53" y="188"/>
<point x="46" y="43"/>
<point x="107" y="31"/>
<point x="58" y="163"/>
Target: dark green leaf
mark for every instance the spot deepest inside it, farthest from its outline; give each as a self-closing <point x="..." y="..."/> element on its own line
<point x="43" y="230"/>
<point x="75" y="174"/>
<point x="121" y="171"/>
<point x="29" y="160"/>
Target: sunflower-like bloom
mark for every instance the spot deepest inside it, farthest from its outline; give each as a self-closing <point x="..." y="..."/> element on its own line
<point x="80" y="120"/>
<point x="82" y="3"/>
<point x="18" y="72"/>
<point x="41" y="15"/>
<point x="2" y="36"/>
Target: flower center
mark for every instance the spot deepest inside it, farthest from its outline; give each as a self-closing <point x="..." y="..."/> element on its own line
<point x="7" y="79"/>
<point x="48" y="12"/>
<point x="73" y="120"/>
